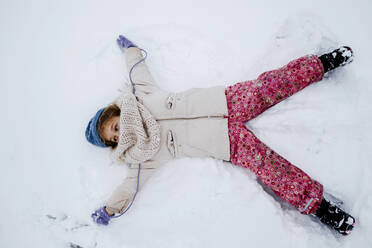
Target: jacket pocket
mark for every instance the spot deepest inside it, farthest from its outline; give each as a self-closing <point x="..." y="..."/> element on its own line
<point x="170" y="102"/>
<point x="171" y="143"/>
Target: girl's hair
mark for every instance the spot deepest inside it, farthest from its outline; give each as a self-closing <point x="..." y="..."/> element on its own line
<point x="109" y="112"/>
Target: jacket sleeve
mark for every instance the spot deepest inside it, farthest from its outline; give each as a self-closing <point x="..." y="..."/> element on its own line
<point x="141" y="76"/>
<point x="124" y="193"/>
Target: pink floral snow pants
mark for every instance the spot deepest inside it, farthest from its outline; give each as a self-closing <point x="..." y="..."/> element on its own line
<point x="246" y="100"/>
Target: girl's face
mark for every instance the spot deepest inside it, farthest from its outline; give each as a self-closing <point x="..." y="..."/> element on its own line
<point x="111" y="129"/>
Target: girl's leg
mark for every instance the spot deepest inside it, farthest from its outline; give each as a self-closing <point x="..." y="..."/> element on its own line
<point x="286" y="180"/>
<point x="248" y="99"/>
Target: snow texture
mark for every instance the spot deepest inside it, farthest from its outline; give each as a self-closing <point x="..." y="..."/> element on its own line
<point x="59" y="63"/>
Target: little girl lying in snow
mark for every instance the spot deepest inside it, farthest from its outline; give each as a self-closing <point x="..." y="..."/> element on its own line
<point x="146" y="126"/>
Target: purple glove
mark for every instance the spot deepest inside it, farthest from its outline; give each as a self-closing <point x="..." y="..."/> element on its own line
<point x="100" y="216"/>
<point x="124" y="43"/>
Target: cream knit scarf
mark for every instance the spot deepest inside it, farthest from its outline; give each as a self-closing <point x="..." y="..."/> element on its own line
<point x="139" y="132"/>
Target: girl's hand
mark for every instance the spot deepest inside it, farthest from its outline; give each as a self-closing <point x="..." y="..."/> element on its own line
<point x="124" y="43"/>
<point x="101" y="216"/>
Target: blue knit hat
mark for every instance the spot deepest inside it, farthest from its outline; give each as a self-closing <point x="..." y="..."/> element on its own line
<point x="91" y="132"/>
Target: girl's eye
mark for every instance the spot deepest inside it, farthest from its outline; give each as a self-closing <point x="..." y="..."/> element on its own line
<point x="116" y="128"/>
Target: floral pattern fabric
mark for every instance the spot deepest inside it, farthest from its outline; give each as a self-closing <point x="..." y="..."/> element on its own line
<point x="246" y="100"/>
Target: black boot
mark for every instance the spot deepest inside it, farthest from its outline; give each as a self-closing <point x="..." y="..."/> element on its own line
<point x="339" y="57"/>
<point x="335" y="217"/>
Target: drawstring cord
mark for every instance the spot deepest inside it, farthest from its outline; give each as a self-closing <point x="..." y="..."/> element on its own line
<point x="139" y="165"/>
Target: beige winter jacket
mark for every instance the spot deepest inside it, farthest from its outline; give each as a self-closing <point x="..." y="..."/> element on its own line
<point x="193" y="124"/>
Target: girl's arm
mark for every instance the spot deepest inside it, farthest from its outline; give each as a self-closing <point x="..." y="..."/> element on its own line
<point x="141" y="76"/>
<point x="124" y="193"/>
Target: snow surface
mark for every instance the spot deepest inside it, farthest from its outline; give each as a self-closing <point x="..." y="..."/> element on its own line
<point x="59" y="63"/>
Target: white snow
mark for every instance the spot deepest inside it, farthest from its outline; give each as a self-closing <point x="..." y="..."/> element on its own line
<point x="59" y="63"/>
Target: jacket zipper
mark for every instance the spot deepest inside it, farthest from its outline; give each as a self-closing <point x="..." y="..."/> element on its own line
<point x="193" y="118"/>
